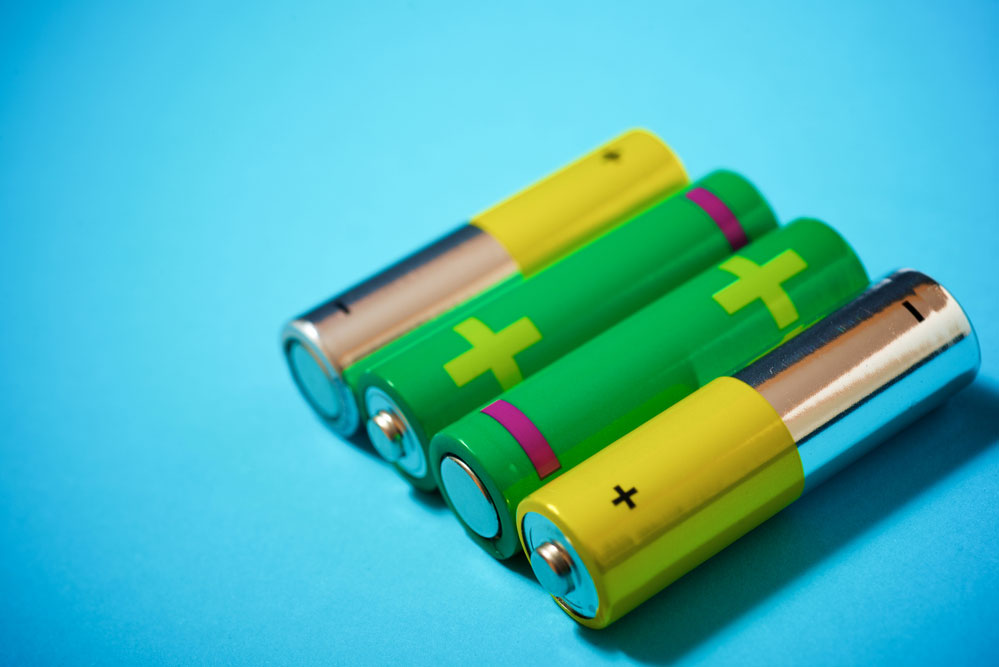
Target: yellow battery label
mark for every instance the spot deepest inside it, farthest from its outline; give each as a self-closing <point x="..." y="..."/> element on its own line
<point x="665" y="497"/>
<point x="584" y="199"/>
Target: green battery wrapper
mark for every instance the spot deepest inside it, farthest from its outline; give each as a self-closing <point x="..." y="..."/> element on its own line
<point x="465" y="359"/>
<point x="352" y="374"/>
<point x="713" y="325"/>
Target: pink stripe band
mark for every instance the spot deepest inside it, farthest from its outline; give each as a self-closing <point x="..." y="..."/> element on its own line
<point x="526" y="434"/>
<point x="721" y="214"/>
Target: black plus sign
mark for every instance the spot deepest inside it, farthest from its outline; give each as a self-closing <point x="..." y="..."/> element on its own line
<point x="625" y="496"/>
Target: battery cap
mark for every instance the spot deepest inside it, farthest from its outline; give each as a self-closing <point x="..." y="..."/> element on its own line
<point x="469" y="497"/>
<point x="385" y="430"/>
<point x="316" y="384"/>
<point x="552" y="565"/>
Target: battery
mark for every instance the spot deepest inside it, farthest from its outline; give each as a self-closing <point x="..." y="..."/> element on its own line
<point x="714" y="324"/>
<point x="515" y="238"/>
<point x="667" y="496"/>
<point x="508" y="334"/>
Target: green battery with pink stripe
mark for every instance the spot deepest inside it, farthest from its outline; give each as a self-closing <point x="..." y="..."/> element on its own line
<point x="714" y="324"/>
<point x="459" y="362"/>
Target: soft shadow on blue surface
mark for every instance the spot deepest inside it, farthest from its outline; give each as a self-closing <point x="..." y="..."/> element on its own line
<point x="434" y="502"/>
<point x="430" y="501"/>
<point x="717" y="593"/>
<point x="519" y="565"/>
<point x="358" y="441"/>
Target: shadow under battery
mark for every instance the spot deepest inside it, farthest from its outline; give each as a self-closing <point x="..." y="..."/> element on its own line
<point x="429" y="500"/>
<point x="703" y="602"/>
<point x="518" y="564"/>
<point x="358" y="441"/>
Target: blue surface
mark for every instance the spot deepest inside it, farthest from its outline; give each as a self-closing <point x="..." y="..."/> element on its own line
<point x="175" y="181"/>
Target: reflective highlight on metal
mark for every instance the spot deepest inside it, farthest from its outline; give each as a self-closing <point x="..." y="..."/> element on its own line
<point x="568" y="581"/>
<point x="869" y="368"/>
<point x="552" y="565"/>
<point x="360" y="320"/>
<point x="520" y="235"/>
<point x="392" y="436"/>
<point x="311" y="376"/>
<point x="470" y="497"/>
<point x="735" y="452"/>
<point x="390" y="429"/>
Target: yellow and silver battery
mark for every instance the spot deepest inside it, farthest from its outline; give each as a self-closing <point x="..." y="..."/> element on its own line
<point x="633" y="518"/>
<point x="517" y="237"/>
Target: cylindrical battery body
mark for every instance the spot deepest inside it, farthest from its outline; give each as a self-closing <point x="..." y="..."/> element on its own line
<point x="681" y="487"/>
<point x="504" y="336"/>
<point x="519" y="236"/>
<point x="867" y="370"/>
<point x="714" y="324"/>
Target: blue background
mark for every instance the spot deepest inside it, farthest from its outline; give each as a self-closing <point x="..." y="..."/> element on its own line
<point x="177" y="180"/>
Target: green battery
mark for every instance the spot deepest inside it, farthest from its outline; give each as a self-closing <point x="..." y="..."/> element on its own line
<point x="463" y="360"/>
<point x="492" y="458"/>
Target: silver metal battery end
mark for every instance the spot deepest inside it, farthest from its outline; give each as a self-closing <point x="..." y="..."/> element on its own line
<point x="319" y="381"/>
<point x="865" y="371"/>
<point x="558" y="567"/>
<point x="313" y="380"/>
<point x="386" y="432"/>
<point x="392" y="435"/>
<point x="469" y="497"/>
<point x="391" y="427"/>
<point x="324" y="342"/>
<point x="552" y="565"/>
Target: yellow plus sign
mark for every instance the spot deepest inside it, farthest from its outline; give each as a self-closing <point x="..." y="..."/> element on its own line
<point x="762" y="282"/>
<point x="492" y="351"/>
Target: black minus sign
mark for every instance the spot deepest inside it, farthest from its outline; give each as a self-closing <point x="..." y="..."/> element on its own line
<point x="912" y="309"/>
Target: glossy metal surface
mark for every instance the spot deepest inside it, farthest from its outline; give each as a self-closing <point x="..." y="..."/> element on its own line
<point x="553" y="566"/>
<point x="388" y="429"/>
<point x="867" y="370"/>
<point x="391" y="435"/>
<point x="557" y="565"/>
<point x="469" y="497"/>
<point x="376" y="311"/>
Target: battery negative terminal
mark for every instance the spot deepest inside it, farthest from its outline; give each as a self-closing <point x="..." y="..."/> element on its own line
<point x="469" y="497"/>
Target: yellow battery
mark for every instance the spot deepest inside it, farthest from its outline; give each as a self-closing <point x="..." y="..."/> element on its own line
<point x="650" y="507"/>
<point x="582" y="200"/>
<point x="661" y="500"/>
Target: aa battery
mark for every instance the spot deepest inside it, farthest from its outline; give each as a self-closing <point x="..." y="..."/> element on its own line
<point x="667" y="496"/>
<point x="515" y="238"/>
<point x="490" y="344"/>
<point x="714" y="324"/>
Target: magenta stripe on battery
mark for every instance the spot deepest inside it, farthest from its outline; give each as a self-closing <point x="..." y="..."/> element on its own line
<point x="526" y="434"/>
<point x="721" y="214"/>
